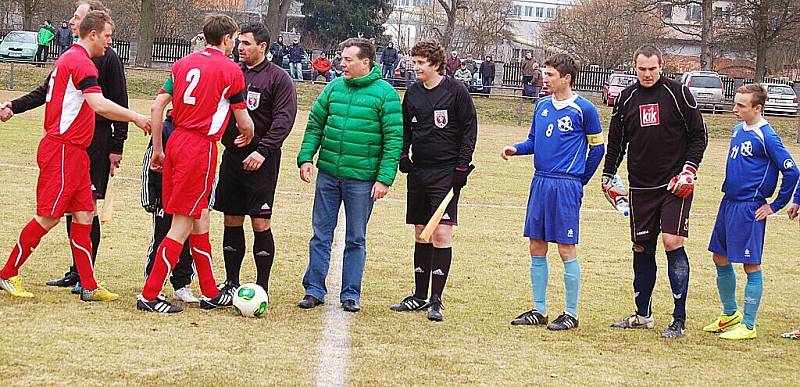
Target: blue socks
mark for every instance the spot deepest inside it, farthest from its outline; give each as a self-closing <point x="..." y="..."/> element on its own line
<point x="539" y="274"/>
<point x="678" y="270"/>
<point x="644" y="280"/>
<point x="752" y="298"/>
<point x="572" y="285"/>
<point x="726" y="284"/>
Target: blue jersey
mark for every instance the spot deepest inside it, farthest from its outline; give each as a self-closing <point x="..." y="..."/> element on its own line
<point x="558" y="136"/>
<point x="755" y="157"/>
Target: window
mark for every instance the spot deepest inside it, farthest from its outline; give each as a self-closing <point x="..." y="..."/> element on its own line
<point x="529" y="11"/>
<point x="694" y="12"/>
<point x="515" y="10"/>
<point x="666" y="11"/>
<point x="540" y="12"/>
<point x="551" y="12"/>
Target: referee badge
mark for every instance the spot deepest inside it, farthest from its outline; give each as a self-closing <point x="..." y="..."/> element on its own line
<point x="253" y="100"/>
<point x="440" y="118"/>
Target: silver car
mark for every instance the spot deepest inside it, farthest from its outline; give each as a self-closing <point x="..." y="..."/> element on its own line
<point x="706" y="88"/>
<point x="781" y="99"/>
<point x="19" y="45"/>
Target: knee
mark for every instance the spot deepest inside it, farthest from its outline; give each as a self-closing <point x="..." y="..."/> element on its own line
<point x="261" y="225"/>
<point x="567" y="252"/>
<point x="646" y="247"/>
<point x="720" y="260"/>
<point x="672" y="242"/>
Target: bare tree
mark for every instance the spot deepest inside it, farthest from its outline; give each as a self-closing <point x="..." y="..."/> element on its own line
<point x="29" y="8"/>
<point x="147" y="30"/>
<point x="704" y="32"/>
<point x="275" y="17"/>
<point x="596" y="32"/>
<point x="450" y="8"/>
<point x="483" y="22"/>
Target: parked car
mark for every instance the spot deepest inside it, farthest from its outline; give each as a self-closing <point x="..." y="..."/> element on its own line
<point x="781" y="99"/>
<point x="614" y="85"/>
<point x="706" y="87"/>
<point x="19" y="45"/>
<point x="306" y="63"/>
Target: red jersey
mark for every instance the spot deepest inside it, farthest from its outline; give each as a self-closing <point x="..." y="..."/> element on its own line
<point x="68" y="119"/>
<point x="205" y="86"/>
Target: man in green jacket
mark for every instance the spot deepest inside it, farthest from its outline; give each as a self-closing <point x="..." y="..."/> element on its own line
<point x="44" y="37"/>
<point x="357" y="126"/>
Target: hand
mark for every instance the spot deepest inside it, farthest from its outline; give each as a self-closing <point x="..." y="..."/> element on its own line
<point x="379" y="190"/>
<point x="406" y="164"/>
<point x="253" y="162"/>
<point x="306" y="171"/>
<point x="682" y="185"/>
<point x="241" y="141"/>
<point x="143" y="122"/>
<point x="507" y="152"/>
<point x="610" y="191"/>
<point x="460" y="174"/>
<point x="763" y="212"/>
<point x="792" y="211"/>
<point x="5" y="111"/>
<point x="114" y="159"/>
<point x="157" y="160"/>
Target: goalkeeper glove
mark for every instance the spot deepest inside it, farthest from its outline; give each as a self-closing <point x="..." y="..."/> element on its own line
<point x="682" y="185"/>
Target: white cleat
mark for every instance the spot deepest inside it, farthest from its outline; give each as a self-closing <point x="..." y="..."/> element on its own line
<point x="184" y="294"/>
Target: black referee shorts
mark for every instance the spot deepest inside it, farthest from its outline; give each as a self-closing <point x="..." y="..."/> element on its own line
<point x="427" y="187"/>
<point x="658" y="210"/>
<point x="239" y="192"/>
<point x="100" y="166"/>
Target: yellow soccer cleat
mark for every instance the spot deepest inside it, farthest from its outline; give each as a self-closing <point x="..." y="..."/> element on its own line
<point x="99" y="294"/>
<point x="724" y="323"/>
<point x="14" y="286"/>
<point x="741" y="332"/>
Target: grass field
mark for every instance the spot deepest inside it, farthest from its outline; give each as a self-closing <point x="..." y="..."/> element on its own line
<point x="56" y="339"/>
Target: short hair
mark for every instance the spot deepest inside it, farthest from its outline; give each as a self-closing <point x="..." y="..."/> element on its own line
<point x="564" y="64"/>
<point x="48" y="21"/>
<point x="216" y="26"/>
<point x="432" y="51"/>
<point x="94" y="21"/>
<point x="94" y="5"/>
<point x="648" y="50"/>
<point x="366" y="48"/>
<point x="757" y="91"/>
<point x="259" y="31"/>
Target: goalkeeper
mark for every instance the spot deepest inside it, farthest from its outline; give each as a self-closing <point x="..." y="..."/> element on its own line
<point x="658" y="122"/>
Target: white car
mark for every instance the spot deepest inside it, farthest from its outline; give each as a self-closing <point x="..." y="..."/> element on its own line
<point x="781" y="99"/>
<point x="706" y="88"/>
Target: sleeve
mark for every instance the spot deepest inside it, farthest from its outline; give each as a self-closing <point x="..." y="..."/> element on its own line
<point x="406" y="126"/>
<point x="392" y="129"/>
<point x="168" y="87"/>
<point x="593" y="129"/>
<point x="617" y="141"/>
<point x="235" y="93"/>
<point x="284" y="111"/>
<point x="785" y="163"/>
<point x="696" y="129"/>
<point x="116" y="90"/>
<point x="84" y="76"/>
<point x="526" y="147"/>
<point x="314" y="128"/>
<point x="31" y="100"/>
<point x="468" y="118"/>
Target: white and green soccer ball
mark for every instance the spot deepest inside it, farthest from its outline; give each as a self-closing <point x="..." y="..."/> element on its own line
<point x="250" y="300"/>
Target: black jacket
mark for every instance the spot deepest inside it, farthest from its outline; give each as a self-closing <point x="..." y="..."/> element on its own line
<point x="487" y="69"/>
<point x="64" y="36"/>
<point x="296" y="53"/>
<point x="389" y="56"/>
<point x="276" y="49"/>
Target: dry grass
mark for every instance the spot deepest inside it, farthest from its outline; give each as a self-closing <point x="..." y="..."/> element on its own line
<point x="56" y="339"/>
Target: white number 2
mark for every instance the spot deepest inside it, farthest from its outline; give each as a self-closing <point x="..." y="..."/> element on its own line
<point x="50" y="85"/>
<point x="193" y="77"/>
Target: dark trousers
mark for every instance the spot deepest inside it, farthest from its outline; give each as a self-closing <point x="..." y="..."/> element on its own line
<point x="41" y="53"/>
<point x="487" y="84"/>
<point x="183" y="272"/>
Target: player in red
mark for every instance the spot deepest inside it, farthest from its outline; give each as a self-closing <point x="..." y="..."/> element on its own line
<point x="64" y="184"/>
<point x="203" y="88"/>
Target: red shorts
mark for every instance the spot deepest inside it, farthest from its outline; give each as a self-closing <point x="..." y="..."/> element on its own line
<point x="64" y="184"/>
<point x="189" y="170"/>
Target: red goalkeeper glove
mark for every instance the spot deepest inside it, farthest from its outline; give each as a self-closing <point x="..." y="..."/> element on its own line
<point x="682" y="185"/>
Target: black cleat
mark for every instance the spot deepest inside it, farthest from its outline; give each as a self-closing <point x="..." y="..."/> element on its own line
<point x="350" y="306"/>
<point x="222" y="300"/>
<point x="78" y="289"/>
<point x="531" y="317"/>
<point x="409" y="304"/>
<point x="563" y="322"/>
<point x="160" y="305"/>
<point x="435" y="309"/>
<point x="675" y="330"/>
<point x="309" y="302"/>
<point x="69" y="279"/>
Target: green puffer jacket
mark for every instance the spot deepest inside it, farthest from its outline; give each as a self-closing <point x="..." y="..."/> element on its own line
<point x="357" y="125"/>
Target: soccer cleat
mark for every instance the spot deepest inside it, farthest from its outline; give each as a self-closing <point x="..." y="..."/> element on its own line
<point x="724" y="323"/>
<point x="635" y="321"/>
<point x="69" y="279"/>
<point x="14" y="287"/>
<point x="741" y="332"/>
<point x="221" y="300"/>
<point x="99" y="294"/>
<point x="435" y="309"/>
<point x="794" y="335"/>
<point x="531" y="317"/>
<point x="409" y="304"/>
<point x="77" y="289"/>
<point x="563" y="322"/>
<point x="675" y="329"/>
<point x="160" y="305"/>
<point x="185" y="294"/>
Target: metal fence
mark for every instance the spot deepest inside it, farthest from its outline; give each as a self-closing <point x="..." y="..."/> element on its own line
<point x="170" y="49"/>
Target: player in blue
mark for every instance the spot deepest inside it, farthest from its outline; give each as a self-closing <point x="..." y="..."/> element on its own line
<point x="755" y="157"/>
<point x="567" y="141"/>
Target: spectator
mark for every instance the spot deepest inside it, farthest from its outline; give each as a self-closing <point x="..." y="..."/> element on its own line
<point x="45" y="36"/>
<point x="63" y="38"/>
<point x="487" y="74"/>
<point x="407" y="66"/>
<point x="276" y="49"/>
<point x="538" y="80"/>
<point x="321" y="66"/>
<point x="389" y="59"/>
<point x="453" y="63"/>
<point x="296" y="54"/>
<point x="471" y="65"/>
<point x="336" y="65"/>
<point x="527" y="74"/>
<point x="463" y="75"/>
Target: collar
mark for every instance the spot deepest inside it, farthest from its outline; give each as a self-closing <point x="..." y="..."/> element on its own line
<point x="758" y="125"/>
<point x="212" y="50"/>
<point x="257" y="68"/>
<point x="85" y="50"/>
<point x="560" y="104"/>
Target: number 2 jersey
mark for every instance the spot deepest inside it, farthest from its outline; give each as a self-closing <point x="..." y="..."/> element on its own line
<point x="204" y="86"/>
<point x="755" y="157"/>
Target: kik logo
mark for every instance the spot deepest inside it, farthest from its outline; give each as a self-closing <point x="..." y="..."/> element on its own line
<point x="649" y="115"/>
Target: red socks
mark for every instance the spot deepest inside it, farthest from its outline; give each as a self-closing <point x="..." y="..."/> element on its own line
<point x="28" y="240"/>
<point x="81" y="243"/>
<point x="167" y="256"/>
<point x="201" y="254"/>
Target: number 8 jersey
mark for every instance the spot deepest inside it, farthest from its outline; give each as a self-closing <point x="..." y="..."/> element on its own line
<point x="204" y="86"/>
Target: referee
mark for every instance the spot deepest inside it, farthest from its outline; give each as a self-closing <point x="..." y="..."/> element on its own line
<point x="658" y="122"/>
<point x="105" y="152"/>
<point x="440" y="128"/>
<point x="248" y="176"/>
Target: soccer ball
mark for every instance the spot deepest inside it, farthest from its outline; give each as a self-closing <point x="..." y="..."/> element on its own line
<point x="250" y="300"/>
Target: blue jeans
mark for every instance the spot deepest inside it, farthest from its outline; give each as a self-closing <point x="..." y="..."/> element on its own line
<point x="296" y="70"/>
<point x="328" y="197"/>
<point x="388" y="71"/>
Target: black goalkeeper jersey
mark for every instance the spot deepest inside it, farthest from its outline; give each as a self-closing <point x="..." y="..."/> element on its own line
<point x="661" y="129"/>
<point x="440" y="125"/>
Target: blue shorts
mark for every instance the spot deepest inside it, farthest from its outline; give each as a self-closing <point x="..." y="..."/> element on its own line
<point x="554" y="208"/>
<point x="736" y="234"/>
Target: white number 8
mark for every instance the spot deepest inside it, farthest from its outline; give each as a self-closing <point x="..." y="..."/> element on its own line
<point x="549" y="131"/>
<point x="193" y="77"/>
